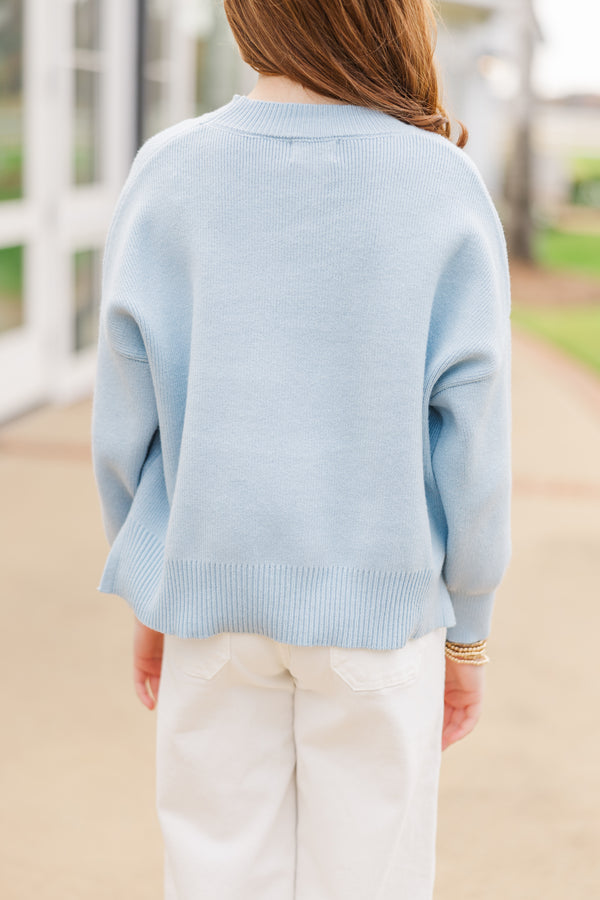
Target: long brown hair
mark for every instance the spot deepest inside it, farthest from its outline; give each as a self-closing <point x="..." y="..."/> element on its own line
<point x="374" y="53"/>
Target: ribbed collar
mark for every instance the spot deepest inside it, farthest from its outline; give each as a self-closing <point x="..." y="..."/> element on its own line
<point x="280" y="119"/>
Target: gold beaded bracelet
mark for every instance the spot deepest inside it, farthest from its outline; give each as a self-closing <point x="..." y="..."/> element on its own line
<point x="472" y="654"/>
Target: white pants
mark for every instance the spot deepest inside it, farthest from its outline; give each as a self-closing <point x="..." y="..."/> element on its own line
<point x="299" y="773"/>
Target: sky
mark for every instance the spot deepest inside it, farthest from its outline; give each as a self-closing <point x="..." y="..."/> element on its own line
<point x="568" y="61"/>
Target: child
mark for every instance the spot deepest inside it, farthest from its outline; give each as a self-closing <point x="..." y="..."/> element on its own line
<point x="301" y="440"/>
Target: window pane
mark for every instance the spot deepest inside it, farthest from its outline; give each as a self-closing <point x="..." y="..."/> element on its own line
<point x="156" y="68"/>
<point x="86" y="150"/>
<point x="11" y="99"/>
<point x="11" y="288"/>
<point x="217" y="57"/>
<point x="87" y="24"/>
<point x="202" y="74"/>
<point x="155" y="107"/>
<point x="156" y="36"/>
<point x="87" y="265"/>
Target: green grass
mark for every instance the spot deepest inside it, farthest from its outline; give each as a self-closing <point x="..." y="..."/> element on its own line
<point x="11" y="270"/>
<point x="584" y="167"/>
<point x="585" y="181"/>
<point x="11" y="173"/>
<point x="575" y="330"/>
<point x="579" y="253"/>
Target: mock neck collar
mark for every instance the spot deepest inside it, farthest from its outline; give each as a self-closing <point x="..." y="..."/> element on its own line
<point x="272" y="117"/>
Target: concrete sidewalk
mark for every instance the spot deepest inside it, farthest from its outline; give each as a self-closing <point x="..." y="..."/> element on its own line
<point x="519" y="796"/>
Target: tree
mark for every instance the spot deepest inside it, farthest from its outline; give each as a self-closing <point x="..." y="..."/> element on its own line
<point x="519" y="188"/>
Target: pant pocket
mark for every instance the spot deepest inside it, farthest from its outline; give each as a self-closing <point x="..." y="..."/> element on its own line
<point x="200" y="657"/>
<point x="365" y="669"/>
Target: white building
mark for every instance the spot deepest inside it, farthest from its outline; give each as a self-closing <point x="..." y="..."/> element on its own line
<point x="481" y="54"/>
<point x="566" y="129"/>
<point x="82" y="82"/>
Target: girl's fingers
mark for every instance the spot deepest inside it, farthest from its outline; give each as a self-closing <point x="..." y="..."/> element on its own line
<point x="451" y="735"/>
<point x="141" y="689"/>
<point x="154" y="685"/>
<point x="457" y="724"/>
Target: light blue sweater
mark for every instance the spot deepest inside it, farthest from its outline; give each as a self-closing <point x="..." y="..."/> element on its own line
<point x="301" y="418"/>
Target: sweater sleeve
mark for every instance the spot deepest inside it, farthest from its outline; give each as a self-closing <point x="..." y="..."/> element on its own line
<point x="124" y="423"/>
<point x="470" y="402"/>
<point x="471" y="463"/>
<point x="124" y="427"/>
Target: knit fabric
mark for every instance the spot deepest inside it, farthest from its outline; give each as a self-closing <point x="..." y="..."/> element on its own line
<point x="301" y="417"/>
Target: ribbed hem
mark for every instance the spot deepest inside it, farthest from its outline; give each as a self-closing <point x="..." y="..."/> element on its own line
<point x="313" y="120"/>
<point x="473" y="617"/>
<point x="302" y="605"/>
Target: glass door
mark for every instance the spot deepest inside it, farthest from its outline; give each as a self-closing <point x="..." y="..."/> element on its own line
<point x="20" y="332"/>
<point x="96" y="103"/>
<point x="75" y="102"/>
<point x="67" y="112"/>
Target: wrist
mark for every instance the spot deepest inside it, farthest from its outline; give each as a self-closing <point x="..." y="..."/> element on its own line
<point x="470" y="654"/>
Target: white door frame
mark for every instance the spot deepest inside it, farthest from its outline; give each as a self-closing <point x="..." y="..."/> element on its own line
<point x="83" y="212"/>
<point x="22" y="371"/>
<point x="55" y="218"/>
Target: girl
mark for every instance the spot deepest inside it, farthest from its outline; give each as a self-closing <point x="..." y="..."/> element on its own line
<point x="301" y="441"/>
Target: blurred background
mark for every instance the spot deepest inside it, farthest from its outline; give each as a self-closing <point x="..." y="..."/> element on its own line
<point x="82" y="84"/>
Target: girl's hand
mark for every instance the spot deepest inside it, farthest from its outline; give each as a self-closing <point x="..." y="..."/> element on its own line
<point x="463" y="700"/>
<point x="147" y="662"/>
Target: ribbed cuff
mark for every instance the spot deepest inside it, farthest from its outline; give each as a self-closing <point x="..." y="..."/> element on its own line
<point x="473" y="617"/>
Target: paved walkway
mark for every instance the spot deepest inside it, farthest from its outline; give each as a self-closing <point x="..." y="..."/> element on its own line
<point x="519" y="796"/>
